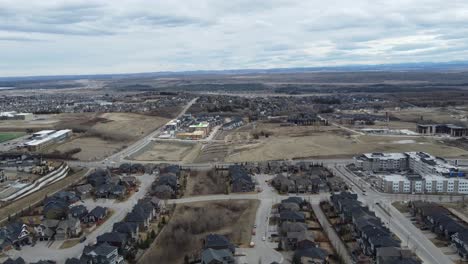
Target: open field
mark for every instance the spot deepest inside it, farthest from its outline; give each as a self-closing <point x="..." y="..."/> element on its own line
<point x="5" y="136"/>
<point x="205" y="182"/>
<point x="164" y="150"/>
<point x="438" y="115"/>
<point x="92" y="148"/>
<point x="191" y="223"/>
<point x="106" y="134"/>
<point x="305" y="142"/>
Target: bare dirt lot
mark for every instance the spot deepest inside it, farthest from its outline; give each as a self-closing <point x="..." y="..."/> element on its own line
<point x="165" y="150"/>
<point x="103" y="135"/>
<point x="205" y="182"/>
<point x="191" y="223"/>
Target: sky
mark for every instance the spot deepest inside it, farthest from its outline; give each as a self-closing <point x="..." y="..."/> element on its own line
<point x="53" y="37"/>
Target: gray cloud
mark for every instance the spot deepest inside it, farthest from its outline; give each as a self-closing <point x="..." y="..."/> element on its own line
<point x="93" y="36"/>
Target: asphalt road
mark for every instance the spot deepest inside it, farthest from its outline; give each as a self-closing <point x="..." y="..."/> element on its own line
<point x="397" y="222"/>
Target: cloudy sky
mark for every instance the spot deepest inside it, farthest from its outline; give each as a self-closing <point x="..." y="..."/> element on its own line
<point x="52" y="37"/>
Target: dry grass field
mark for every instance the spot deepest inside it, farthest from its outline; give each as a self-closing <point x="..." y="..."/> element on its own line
<point x="190" y="224"/>
<point x="205" y="182"/>
<point x="164" y="150"/>
<point x="438" y="115"/>
<point x="312" y="142"/>
<point x="105" y="134"/>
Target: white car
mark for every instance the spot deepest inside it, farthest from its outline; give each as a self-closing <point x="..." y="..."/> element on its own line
<point x="263" y="238"/>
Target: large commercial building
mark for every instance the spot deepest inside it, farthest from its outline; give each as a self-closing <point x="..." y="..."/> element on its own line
<point x="447" y="129"/>
<point x="15" y="116"/>
<point x="382" y="161"/>
<point x="396" y="183"/>
<point x="45" y="138"/>
<point x="425" y="164"/>
<point x="413" y="172"/>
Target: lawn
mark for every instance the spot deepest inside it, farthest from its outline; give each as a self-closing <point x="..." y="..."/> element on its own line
<point x="5" y="136"/>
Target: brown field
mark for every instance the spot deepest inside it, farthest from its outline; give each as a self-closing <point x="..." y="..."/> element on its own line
<point x="438" y="115"/>
<point x="168" y="151"/>
<point x="92" y="148"/>
<point x="205" y="182"/>
<point x="190" y="224"/>
<point x="303" y="142"/>
<point x="105" y="134"/>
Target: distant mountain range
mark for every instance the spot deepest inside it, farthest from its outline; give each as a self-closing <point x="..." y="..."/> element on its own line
<point x="420" y="66"/>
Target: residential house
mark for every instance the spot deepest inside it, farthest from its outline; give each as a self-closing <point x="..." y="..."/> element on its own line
<point x="283" y="184"/>
<point x="99" y="177"/>
<point x="460" y="240"/>
<point x="96" y="215"/>
<point x="131" y="229"/>
<point x="310" y="255"/>
<point x="163" y="191"/>
<point x="78" y="211"/>
<point x="116" y="239"/>
<point x="241" y="181"/>
<point x="101" y="254"/>
<point x="288" y="207"/>
<point x="297" y="200"/>
<point x="392" y="255"/>
<point x="142" y="214"/>
<point x="129" y="181"/>
<point x="19" y="260"/>
<point x="291" y="216"/>
<point x="69" y="197"/>
<point x="68" y="228"/>
<point x="55" y="209"/>
<point x="103" y="191"/>
<point x="84" y="191"/>
<point x="46" y="230"/>
<point x="217" y="256"/>
<point x="14" y="234"/>
<point x="215" y="241"/>
<point x="118" y="191"/>
<point x="168" y="179"/>
<point x="298" y="240"/>
<point x="287" y="227"/>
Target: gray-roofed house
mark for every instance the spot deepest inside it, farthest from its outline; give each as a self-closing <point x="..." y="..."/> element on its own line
<point x="292" y="216"/>
<point x="46" y="230"/>
<point x="68" y="228"/>
<point x="84" y="191"/>
<point x="215" y="241"/>
<point x="115" y="239"/>
<point x="217" y="256"/>
<point x="102" y="254"/>
<point x="241" y="181"/>
<point x="96" y="215"/>
<point x="163" y="192"/>
<point x="131" y="229"/>
<point x="310" y="255"/>
<point x="19" y="260"/>
<point x="78" y="211"/>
